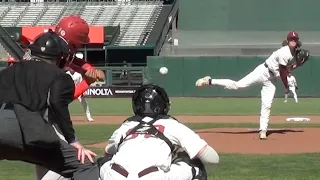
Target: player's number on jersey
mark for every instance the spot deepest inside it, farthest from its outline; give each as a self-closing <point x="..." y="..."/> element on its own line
<point x="132" y="136"/>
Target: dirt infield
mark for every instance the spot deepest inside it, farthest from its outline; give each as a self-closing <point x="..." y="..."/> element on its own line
<point x="241" y="140"/>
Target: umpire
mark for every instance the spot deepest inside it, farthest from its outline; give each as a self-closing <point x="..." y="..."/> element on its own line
<point x="34" y="99"/>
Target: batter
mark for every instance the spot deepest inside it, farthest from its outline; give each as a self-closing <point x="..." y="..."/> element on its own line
<point x="293" y="86"/>
<point x="275" y="66"/>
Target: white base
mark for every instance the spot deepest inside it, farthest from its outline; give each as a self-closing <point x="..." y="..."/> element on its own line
<point x="175" y="42"/>
<point x="299" y="119"/>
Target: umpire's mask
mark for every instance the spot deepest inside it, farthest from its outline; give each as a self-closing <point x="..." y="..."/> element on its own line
<point x="150" y="100"/>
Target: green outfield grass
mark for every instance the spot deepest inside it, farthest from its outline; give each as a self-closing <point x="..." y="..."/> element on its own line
<point x="232" y="166"/>
<point x="204" y="106"/>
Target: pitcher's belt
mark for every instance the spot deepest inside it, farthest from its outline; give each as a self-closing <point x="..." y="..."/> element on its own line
<point x="266" y="65"/>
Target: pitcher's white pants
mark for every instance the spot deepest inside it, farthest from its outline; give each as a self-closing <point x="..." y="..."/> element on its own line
<point x="179" y="171"/>
<point x="85" y="105"/>
<point x="260" y="75"/>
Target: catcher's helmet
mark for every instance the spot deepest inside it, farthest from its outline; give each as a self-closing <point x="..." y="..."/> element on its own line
<point x="50" y="46"/>
<point x="150" y="100"/>
<point x="74" y="30"/>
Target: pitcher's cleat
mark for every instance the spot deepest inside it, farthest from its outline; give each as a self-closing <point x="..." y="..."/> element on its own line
<point x="263" y="135"/>
<point x="205" y="81"/>
<point x="90" y="119"/>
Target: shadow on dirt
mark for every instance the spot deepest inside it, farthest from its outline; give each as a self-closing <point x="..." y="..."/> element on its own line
<point x="280" y="131"/>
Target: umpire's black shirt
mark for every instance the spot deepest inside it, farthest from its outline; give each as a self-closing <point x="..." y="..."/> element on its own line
<point x="28" y="82"/>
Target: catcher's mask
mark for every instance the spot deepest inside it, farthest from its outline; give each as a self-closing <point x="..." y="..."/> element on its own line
<point x="150" y="100"/>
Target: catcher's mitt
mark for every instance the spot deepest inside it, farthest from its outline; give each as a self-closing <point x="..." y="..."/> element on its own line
<point x="179" y="155"/>
<point x="302" y="56"/>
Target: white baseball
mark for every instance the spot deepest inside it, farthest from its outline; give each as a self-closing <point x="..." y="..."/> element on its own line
<point x="163" y="70"/>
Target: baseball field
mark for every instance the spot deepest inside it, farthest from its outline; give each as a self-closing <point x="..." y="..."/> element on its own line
<point x="229" y="125"/>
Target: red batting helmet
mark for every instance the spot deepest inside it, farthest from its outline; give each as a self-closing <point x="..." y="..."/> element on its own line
<point x="11" y="60"/>
<point x="74" y="30"/>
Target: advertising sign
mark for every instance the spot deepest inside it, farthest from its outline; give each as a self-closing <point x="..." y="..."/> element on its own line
<point x="110" y="92"/>
<point x="96" y="33"/>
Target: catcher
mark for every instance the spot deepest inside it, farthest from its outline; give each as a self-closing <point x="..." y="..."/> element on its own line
<point x="154" y="137"/>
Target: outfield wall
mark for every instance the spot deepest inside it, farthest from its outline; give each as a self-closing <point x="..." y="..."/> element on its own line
<point x="184" y="71"/>
<point x="248" y="15"/>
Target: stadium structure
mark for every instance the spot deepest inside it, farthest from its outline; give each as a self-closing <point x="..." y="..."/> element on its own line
<point x="120" y="30"/>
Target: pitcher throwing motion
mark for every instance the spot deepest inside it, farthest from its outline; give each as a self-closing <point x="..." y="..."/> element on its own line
<point x="277" y="65"/>
<point x="77" y="78"/>
<point x="293" y="86"/>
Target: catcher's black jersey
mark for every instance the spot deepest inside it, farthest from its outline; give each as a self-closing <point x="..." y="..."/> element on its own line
<point x="28" y="83"/>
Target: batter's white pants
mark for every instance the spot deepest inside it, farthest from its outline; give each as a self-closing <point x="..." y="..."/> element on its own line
<point x="260" y="75"/>
<point x="85" y="106"/>
<point x="179" y="171"/>
<point x="293" y="90"/>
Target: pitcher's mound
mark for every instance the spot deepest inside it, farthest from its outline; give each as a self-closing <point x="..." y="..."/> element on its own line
<point x="246" y="141"/>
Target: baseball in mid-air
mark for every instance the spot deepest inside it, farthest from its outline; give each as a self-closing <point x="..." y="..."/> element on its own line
<point x="163" y="70"/>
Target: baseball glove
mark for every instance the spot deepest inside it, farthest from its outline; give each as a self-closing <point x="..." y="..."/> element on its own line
<point x="93" y="75"/>
<point x="296" y="87"/>
<point x="302" y="56"/>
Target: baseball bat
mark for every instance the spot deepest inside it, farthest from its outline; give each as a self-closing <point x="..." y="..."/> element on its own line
<point x="12" y="47"/>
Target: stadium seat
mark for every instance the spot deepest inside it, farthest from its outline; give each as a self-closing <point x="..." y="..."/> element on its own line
<point x="90" y="12"/>
<point x="107" y="12"/>
<point x="136" y="19"/>
<point x="13" y="15"/>
<point x="50" y="15"/>
<point x="31" y="14"/>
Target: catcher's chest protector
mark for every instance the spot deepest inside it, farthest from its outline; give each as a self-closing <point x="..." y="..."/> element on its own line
<point x="147" y="128"/>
